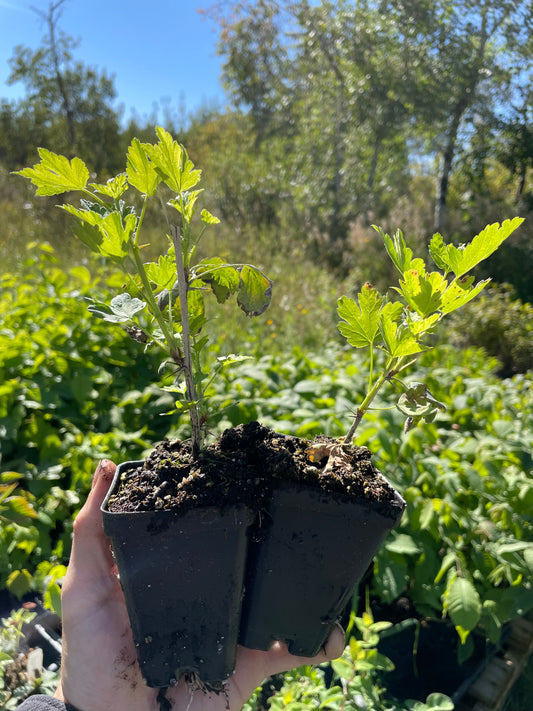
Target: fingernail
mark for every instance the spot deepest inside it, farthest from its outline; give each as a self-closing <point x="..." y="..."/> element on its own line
<point x="101" y="470"/>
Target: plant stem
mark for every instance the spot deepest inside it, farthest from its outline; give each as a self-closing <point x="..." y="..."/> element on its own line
<point x="154" y="308"/>
<point x="369" y="397"/>
<point x="186" y="342"/>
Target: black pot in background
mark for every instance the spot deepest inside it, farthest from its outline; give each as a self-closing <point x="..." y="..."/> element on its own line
<point x="312" y="552"/>
<point x="182" y="577"/>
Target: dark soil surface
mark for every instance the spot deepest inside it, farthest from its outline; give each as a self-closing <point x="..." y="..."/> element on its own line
<point x="243" y="466"/>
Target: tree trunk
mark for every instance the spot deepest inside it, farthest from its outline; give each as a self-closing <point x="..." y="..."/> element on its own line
<point x="463" y="102"/>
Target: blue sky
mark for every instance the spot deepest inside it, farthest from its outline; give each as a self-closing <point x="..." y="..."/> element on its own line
<point x="160" y="52"/>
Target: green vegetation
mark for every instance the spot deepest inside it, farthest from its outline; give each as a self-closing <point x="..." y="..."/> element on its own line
<point x="399" y="328"/>
<point x="74" y="391"/>
<point x="172" y="289"/>
<point x="425" y="129"/>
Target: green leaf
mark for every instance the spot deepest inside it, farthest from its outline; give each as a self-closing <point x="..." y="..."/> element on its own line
<point x="417" y="401"/>
<point x="19" y="583"/>
<point x="400" y="253"/>
<point x="343" y="668"/>
<point x="114" y="187"/>
<point x="141" y="173"/>
<point x="116" y="234"/>
<point x="423" y="292"/>
<point x="255" y="291"/>
<point x="439" y="702"/>
<point x="391" y="579"/>
<point x="121" y="309"/>
<point x="208" y="218"/>
<point x="463" y="604"/>
<point x="403" y="544"/>
<point x="398" y="338"/>
<point x="360" y="319"/>
<point x="55" y="174"/>
<point x="232" y="358"/>
<point x="421" y="326"/>
<point x="461" y="260"/>
<point x="52" y="598"/>
<point x="460" y="292"/>
<point x="185" y="204"/>
<point x="17" y="509"/>
<point x="171" y="162"/>
<point x="223" y="278"/>
<point x="163" y="272"/>
<point x="447" y="562"/>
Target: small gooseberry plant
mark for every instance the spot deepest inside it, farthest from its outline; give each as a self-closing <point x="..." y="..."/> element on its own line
<point x="172" y="289"/>
<point x="399" y="327"/>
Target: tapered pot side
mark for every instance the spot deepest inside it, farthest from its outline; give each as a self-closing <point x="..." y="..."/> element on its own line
<point x="313" y="549"/>
<point x="182" y="577"/>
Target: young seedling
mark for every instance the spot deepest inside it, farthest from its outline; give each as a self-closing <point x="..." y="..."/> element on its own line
<point x="172" y="289"/>
<point x="398" y="327"/>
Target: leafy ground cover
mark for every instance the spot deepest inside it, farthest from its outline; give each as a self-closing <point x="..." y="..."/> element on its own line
<point x="464" y="550"/>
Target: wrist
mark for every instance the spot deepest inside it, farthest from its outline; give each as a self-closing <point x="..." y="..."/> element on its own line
<point x="58" y="694"/>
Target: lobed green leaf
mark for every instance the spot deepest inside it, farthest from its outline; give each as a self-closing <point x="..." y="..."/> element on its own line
<point x="140" y="172"/>
<point x="55" y="174"/>
<point x="399" y="252"/>
<point x="461" y="260"/>
<point x="360" y="319"/>
<point x="114" y="188"/>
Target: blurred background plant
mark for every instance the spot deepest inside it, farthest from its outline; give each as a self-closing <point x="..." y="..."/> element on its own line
<point x="338" y="115"/>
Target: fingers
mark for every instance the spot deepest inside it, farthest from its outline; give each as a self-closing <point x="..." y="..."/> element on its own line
<point x="91" y="557"/>
<point x="279" y="658"/>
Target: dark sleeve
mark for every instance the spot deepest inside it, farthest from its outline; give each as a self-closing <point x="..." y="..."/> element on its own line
<point x="38" y="702"/>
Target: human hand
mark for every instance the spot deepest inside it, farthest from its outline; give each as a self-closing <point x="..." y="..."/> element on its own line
<point x="99" y="669"/>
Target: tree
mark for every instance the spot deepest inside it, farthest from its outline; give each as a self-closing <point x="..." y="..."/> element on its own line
<point x="353" y="86"/>
<point x="332" y="103"/>
<point x="472" y="55"/>
<point x="68" y="104"/>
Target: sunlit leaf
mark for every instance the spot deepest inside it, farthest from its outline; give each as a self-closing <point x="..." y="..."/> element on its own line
<point x="55" y="174"/>
<point x="121" y="309"/>
<point x="224" y="278"/>
<point x="255" y="291"/>
<point x="163" y="272"/>
<point x="463" y="604"/>
<point x="423" y="292"/>
<point x="19" y="583"/>
<point x="461" y="260"/>
<point x="114" y="187"/>
<point x="208" y="218"/>
<point x="140" y="171"/>
<point x="360" y="319"/>
<point x="400" y="253"/>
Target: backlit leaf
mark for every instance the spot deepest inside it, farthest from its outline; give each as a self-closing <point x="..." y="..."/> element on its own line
<point x="400" y="253"/>
<point x="461" y="260"/>
<point x="141" y="173"/>
<point x="121" y="309"/>
<point x="163" y="272"/>
<point x="255" y="291"/>
<point x="55" y="174"/>
<point x="114" y="187"/>
<point x="223" y="278"/>
<point x="423" y="292"/>
<point x="171" y="162"/>
<point x="19" y="583"/>
<point x="360" y="319"/>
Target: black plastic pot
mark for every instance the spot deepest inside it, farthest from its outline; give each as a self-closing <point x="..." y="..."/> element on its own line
<point x="313" y="551"/>
<point x="182" y="577"/>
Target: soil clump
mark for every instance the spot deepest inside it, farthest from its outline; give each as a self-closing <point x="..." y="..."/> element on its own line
<point x="243" y="466"/>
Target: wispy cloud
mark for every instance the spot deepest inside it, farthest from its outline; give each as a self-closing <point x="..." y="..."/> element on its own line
<point x="12" y="6"/>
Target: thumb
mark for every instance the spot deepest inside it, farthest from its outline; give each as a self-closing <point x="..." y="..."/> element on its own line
<point x="91" y="556"/>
